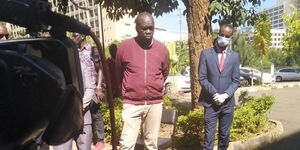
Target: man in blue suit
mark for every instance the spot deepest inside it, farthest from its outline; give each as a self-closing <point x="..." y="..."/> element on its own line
<point x="219" y="75"/>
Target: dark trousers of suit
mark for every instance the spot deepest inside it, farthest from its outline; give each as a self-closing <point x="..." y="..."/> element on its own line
<point x="225" y="116"/>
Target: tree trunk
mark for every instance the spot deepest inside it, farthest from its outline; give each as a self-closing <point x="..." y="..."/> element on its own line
<point x="200" y="38"/>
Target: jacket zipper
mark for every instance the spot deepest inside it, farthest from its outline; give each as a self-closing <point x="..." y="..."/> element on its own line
<point x="145" y="74"/>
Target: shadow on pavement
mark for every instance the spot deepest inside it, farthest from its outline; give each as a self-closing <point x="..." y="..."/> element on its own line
<point x="291" y="142"/>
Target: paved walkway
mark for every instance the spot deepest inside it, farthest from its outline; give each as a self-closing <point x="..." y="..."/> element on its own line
<point x="286" y="110"/>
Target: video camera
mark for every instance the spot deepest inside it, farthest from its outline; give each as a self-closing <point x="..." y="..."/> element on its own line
<point x="40" y="78"/>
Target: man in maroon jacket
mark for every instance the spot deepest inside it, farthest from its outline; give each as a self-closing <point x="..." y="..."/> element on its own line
<point x="142" y="66"/>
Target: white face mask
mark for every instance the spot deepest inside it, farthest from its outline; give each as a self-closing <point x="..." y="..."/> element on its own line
<point x="223" y="41"/>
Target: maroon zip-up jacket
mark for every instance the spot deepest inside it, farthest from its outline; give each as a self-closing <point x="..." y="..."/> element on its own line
<point x="141" y="72"/>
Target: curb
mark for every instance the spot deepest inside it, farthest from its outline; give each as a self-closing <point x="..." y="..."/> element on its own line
<point x="258" y="141"/>
<point x="260" y="88"/>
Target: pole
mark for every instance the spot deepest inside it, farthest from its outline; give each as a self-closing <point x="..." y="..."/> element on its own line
<point x="102" y="31"/>
<point x="179" y="23"/>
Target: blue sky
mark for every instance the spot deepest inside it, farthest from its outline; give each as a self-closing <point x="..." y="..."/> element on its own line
<point x="171" y="21"/>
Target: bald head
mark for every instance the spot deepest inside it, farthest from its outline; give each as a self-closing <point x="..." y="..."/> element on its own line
<point x="3" y="32"/>
<point x="142" y="17"/>
<point x="144" y="28"/>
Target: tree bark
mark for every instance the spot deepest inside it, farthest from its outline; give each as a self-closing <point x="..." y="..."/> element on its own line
<point x="200" y="38"/>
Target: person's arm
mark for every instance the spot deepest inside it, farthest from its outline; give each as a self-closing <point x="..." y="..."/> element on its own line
<point x="166" y="66"/>
<point x="235" y="78"/>
<point x="206" y="85"/>
<point x="99" y="89"/>
<point x="90" y="82"/>
<point x="119" y="69"/>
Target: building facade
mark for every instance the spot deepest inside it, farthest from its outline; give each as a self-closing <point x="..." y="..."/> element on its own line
<point x="277" y="23"/>
<point x="113" y="30"/>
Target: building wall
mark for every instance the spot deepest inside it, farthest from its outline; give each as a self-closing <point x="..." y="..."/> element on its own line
<point x="275" y="14"/>
<point x="277" y="35"/>
<point x="277" y="23"/>
<point x="113" y="30"/>
<point x="166" y="36"/>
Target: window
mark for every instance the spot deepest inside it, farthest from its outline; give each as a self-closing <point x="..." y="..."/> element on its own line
<point x="81" y="15"/>
<point x="287" y="70"/>
<point x="91" y="13"/>
<point x="92" y="24"/>
<point x="271" y="10"/>
<point x="281" y="7"/>
<point x="280" y="20"/>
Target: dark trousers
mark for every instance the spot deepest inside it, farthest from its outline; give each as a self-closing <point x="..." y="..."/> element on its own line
<point x="211" y="115"/>
<point x="98" y="125"/>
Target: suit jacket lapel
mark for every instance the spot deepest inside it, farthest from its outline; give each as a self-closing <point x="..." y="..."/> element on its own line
<point x="227" y="58"/>
<point x="215" y="57"/>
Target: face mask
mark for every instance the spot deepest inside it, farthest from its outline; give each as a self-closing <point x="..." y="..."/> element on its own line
<point x="223" y="41"/>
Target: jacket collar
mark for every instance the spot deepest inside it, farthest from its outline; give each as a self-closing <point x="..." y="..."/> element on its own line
<point x="215" y="56"/>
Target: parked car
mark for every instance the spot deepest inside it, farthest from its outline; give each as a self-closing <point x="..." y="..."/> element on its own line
<point x="179" y="83"/>
<point x="247" y="78"/>
<point x="287" y="74"/>
<point x="267" y="77"/>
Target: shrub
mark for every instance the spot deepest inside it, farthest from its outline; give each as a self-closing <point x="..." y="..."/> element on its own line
<point x="118" y="119"/>
<point x="191" y="126"/>
<point x="251" y="117"/>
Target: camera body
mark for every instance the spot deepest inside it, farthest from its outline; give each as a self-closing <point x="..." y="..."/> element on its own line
<point x="40" y="92"/>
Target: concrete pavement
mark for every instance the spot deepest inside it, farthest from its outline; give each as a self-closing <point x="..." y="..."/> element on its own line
<point x="286" y="110"/>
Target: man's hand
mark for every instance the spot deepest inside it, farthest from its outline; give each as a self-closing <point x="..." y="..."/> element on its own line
<point x="100" y="93"/>
<point x="220" y="99"/>
<point x="216" y="98"/>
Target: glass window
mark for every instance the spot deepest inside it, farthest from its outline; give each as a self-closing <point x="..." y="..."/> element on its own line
<point x="81" y="15"/>
<point x="91" y="13"/>
<point x="92" y="24"/>
<point x="271" y="10"/>
<point x="281" y="7"/>
<point x="245" y="70"/>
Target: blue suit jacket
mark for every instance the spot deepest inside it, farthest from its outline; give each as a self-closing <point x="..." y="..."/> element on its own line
<point x="213" y="81"/>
